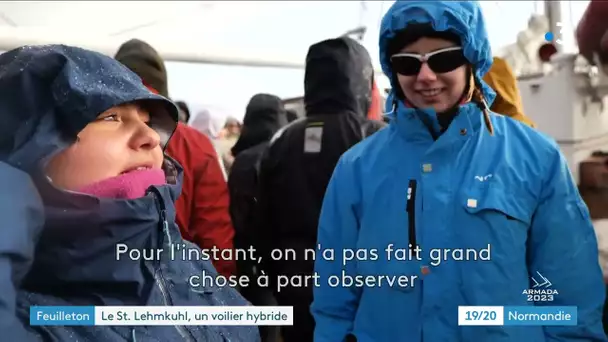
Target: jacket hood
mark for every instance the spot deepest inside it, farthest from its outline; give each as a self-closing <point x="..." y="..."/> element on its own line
<point x="463" y="18"/>
<point x="209" y="121"/>
<point x="338" y="78"/>
<point x="146" y="62"/>
<point x="264" y="116"/>
<point x="55" y="91"/>
<point x="508" y="100"/>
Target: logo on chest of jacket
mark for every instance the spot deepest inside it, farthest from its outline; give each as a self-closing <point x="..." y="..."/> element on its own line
<point x="313" y="139"/>
<point x="483" y="178"/>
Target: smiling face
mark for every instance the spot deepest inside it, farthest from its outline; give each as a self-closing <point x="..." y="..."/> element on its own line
<point x="433" y="89"/>
<point x="118" y="141"/>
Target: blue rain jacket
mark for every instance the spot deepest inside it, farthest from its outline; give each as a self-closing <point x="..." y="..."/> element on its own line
<point x="57" y="247"/>
<point x="511" y="190"/>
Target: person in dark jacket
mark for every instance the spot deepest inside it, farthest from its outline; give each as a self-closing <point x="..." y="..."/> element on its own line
<point x="202" y="206"/>
<point x="184" y="111"/>
<point x="264" y="116"/>
<point x="300" y="160"/>
<point x="90" y="136"/>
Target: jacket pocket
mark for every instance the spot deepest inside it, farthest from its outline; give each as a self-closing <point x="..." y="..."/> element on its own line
<point x="498" y="220"/>
<point x="497" y="217"/>
<point x="494" y="204"/>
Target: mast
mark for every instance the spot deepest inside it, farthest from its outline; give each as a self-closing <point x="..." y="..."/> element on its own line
<point x="553" y="12"/>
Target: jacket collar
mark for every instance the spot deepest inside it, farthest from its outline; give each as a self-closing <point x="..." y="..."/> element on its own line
<point x="415" y="125"/>
<point x="76" y="252"/>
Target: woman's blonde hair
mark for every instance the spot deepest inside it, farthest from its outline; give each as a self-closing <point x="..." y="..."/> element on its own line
<point x="475" y="95"/>
<point x="478" y="98"/>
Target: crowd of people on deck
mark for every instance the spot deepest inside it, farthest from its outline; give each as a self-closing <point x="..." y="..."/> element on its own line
<point x="95" y="152"/>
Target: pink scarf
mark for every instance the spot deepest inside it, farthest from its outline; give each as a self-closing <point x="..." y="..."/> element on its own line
<point x="130" y="185"/>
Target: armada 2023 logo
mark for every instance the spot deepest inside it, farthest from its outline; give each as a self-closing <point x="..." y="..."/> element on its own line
<point x="541" y="291"/>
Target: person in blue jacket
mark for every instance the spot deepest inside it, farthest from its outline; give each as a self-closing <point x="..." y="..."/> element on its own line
<point x="448" y="175"/>
<point x="82" y="171"/>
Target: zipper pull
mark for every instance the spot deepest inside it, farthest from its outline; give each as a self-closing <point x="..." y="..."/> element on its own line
<point x="411" y="196"/>
<point x="163" y="218"/>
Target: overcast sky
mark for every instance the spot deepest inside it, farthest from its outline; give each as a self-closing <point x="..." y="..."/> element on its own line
<point x="231" y="87"/>
<point x="277" y="28"/>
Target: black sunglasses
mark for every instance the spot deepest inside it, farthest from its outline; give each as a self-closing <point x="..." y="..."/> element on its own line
<point x="440" y="61"/>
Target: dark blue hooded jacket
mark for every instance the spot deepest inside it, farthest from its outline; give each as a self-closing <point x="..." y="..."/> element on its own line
<point x="47" y="95"/>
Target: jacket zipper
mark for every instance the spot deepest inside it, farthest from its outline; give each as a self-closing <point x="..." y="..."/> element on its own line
<point x="410" y="207"/>
<point x="158" y="275"/>
<point x="411" y="212"/>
